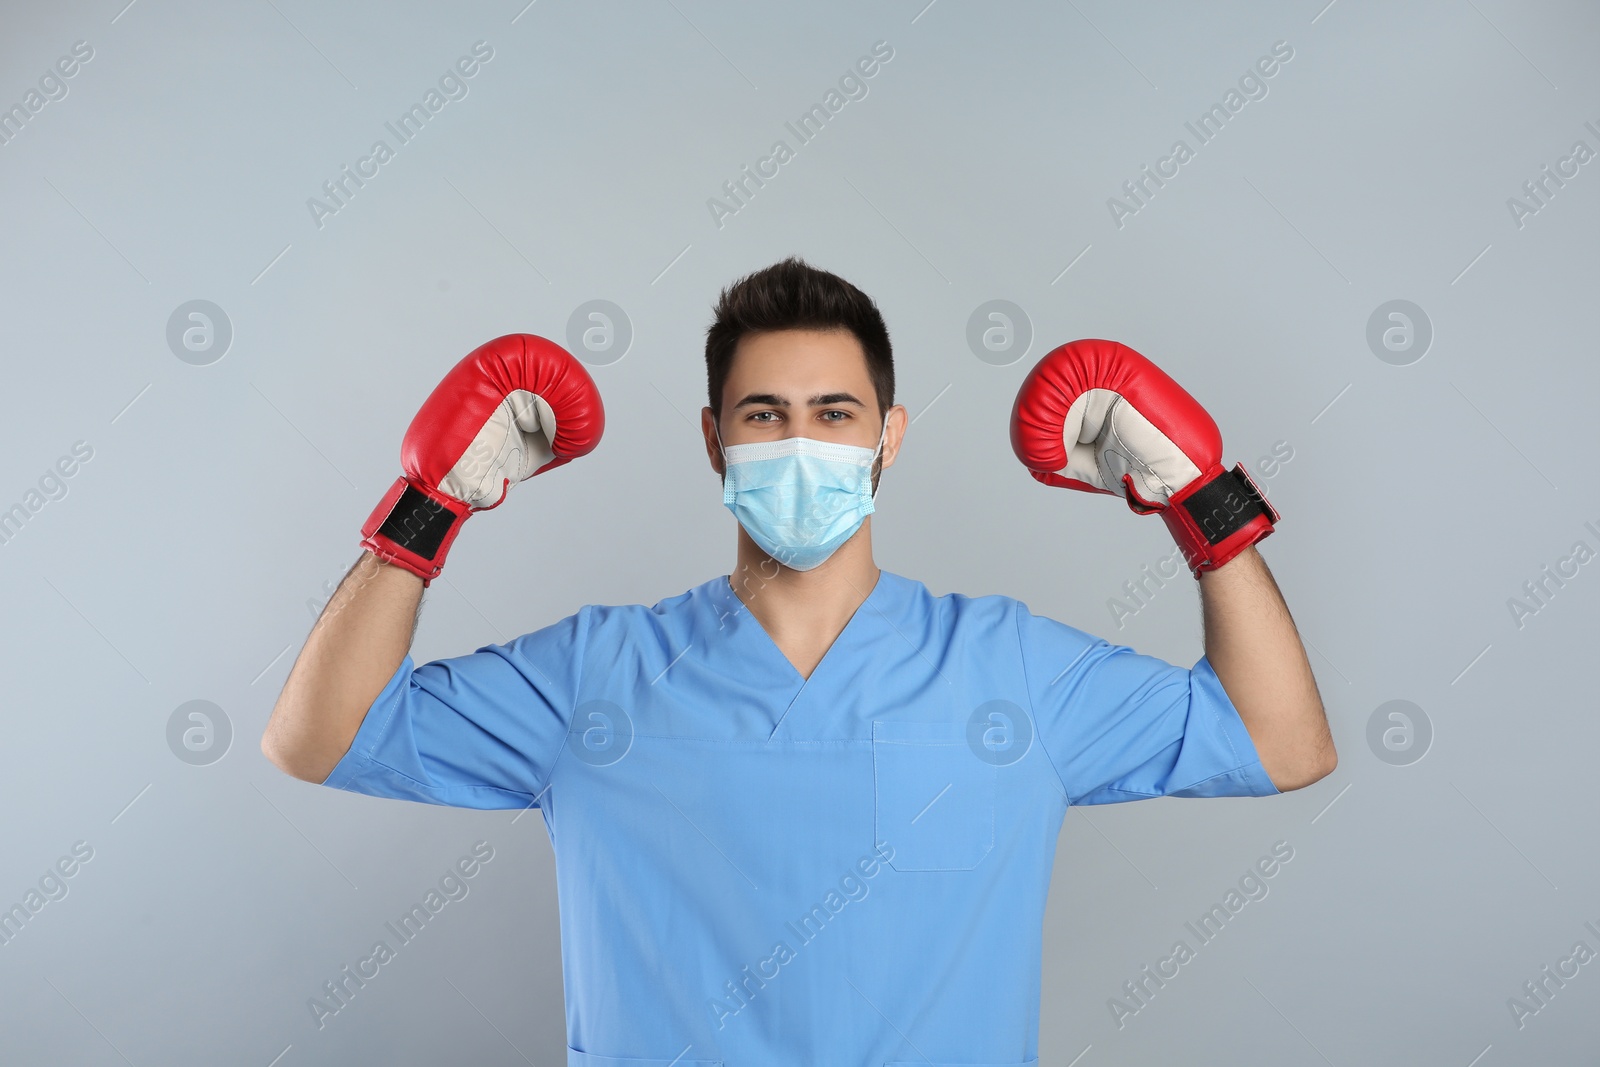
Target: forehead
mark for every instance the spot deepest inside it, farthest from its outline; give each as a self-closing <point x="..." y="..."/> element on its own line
<point x="797" y="360"/>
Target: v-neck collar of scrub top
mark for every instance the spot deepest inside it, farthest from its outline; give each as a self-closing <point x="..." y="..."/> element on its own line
<point x="749" y="643"/>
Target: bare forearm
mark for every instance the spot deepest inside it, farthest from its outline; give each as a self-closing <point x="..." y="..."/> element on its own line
<point x="1252" y="644"/>
<point x="363" y="634"/>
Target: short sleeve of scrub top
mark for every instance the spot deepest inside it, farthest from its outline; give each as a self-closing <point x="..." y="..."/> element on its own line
<point x="1119" y="726"/>
<point x="475" y="731"/>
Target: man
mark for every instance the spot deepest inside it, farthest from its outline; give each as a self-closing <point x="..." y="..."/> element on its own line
<point x="806" y="812"/>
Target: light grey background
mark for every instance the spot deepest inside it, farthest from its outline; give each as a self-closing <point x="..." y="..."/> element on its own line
<point x="189" y="554"/>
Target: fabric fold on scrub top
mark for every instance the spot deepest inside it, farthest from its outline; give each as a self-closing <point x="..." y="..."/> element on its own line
<point x="754" y="868"/>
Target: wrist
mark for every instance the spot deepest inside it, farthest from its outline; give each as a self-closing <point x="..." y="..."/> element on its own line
<point x="1217" y="516"/>
<point x="413" y="527"/>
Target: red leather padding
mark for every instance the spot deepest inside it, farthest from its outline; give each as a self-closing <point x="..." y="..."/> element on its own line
<point x="1067" y="372"/>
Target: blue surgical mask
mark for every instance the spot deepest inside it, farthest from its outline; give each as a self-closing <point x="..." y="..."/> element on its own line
<point x="799" y="498"/>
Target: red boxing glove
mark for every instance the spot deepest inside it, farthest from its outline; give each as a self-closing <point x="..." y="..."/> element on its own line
<point x="1098" y="417"/>
<point x="515" y="407"/>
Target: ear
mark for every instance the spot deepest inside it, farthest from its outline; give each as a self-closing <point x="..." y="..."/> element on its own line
<point x="708" y="427"/>
<point x="894" y="432"/>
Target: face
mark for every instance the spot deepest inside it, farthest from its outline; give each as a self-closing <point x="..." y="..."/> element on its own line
<point x="802" y="383"/>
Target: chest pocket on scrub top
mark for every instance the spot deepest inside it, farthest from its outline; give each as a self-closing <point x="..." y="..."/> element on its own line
<point x="934" y="796"/>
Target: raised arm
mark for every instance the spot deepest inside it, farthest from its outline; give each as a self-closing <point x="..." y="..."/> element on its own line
<point x="512" y="408"/>
<point x="1252" y="644"/>
<point x="359" y="640"/>
<point x="1096" y="416"/>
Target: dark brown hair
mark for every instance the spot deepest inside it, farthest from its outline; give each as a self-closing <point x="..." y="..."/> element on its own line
<point x="792" y="295"/>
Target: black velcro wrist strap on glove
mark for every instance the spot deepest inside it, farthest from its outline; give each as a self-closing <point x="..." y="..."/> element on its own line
<point x="1225" y="505"/>
<point x="417" y="523"/>
<point x="1215" y="519"/>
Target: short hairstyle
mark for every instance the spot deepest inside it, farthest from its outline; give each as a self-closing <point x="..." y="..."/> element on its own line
<point x="792" y="295"/>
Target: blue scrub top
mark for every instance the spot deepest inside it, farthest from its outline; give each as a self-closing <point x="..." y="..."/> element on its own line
<point x="754" y="868"/>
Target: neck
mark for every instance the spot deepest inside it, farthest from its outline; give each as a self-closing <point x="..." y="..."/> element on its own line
<point x="786" y="601"/>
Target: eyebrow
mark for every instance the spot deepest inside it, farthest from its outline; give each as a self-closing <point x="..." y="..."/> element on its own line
<point x="820" y="400"/>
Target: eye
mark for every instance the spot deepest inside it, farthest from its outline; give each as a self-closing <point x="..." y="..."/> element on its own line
<point x="836" y="411"/>
<point x="754" y="416"/>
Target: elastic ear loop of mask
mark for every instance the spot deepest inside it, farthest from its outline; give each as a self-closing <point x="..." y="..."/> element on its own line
<point x="876" y="454"/>
<point x="716" y="424"/>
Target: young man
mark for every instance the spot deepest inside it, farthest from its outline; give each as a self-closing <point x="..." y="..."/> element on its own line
<point x="806" y="812"/>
